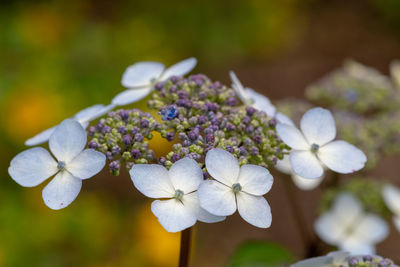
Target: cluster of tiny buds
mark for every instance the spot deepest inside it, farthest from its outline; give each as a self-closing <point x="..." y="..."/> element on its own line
<point x="203" y="115"/>
<point x="369" y="261"/>
<point x="122" y="136"/>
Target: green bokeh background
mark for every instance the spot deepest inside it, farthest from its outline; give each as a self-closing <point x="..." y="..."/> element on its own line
<point x="57" y="57"/>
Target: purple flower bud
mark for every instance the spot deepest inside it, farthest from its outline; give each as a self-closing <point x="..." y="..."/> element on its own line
<point x="202" y="95"/>
<point x="100" y="125"/>
<point x="162" y="160"/>
<point x="124" y="114"/>
<point x="368" y="258"/>
<point x="202" y="119"/>
<point x="246" y="120"/>
<point x="174" y="79"/>
<point x="144" y="124"/>
<point x="109" y="155"/>
<point x="184" y="150"/>
<point x="186" y="143"/>
<point x="193" y="135"/>
<point x="91" y="131"/>
<point x="272" y="122"/>
<point x="159" y="86"/>
<point x="231" y="101"/>
<point x="170" y="113"/>
<point x="172" y="89"/>
<point x="254" y="150"/>
<point x="127" y="139"/>
<point x="170" y="136"/>
<point x="139" y="137"/>
<point x="175" y="157"/>
<point x="135" y="153"/>
<point x="122" y="129"/>
<point x="106" y="129"/>
<point x="210" y="138"/>
<point x="243" y="151"/>
<point x="257" y="139"/>
<point x="250" y="111"/>
<point x="182" y="136"/>
<point x="249" y="129"/>
<point x="230" y="127"/>
<point x="93" y="144"/>
<point x="114" y="165"/>
<point x="182" y="94"/>
<point x="353" y="262"/>
<point x="116" y="150"/>
<point x="135" y="130"/>
<point x="230" y="149"/>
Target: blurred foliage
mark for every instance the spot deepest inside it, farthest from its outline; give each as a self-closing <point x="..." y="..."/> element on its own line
<point x="259" y="253"/>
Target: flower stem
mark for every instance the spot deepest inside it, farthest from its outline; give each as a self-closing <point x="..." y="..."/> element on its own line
<point x="186" y="236"/>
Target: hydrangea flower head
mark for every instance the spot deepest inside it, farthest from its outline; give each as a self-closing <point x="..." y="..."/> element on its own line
<point x="179" y="185"/>
<point x="236" y="188"/>
<point x="74" y="164"/>
<point x="313" y="146"/>
<point x="142" y="77"/>
<point x="349" y="227"/>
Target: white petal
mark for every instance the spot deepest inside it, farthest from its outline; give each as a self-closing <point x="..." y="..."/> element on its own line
<point x="342" y="157"/>
<point x="239" y="89"/>
<point x="31" y="167"/>
<point x="306" y="183"/>
<point x="284" y="165"/>
<point x="186" y="175"/>
<point x="282" y="118"/>
<point x="131" y="95"/>
<point x="255" y="180"/>
<point x="179" y="69"/>
<point x="347" y="210"/>
<point x="396" y="222"/>
<point x="40" y="138"/>
<point x="261" y="102"/>
<point x="68" y="140"/>
<point x="254" y="209"/>
<point x="216" y="198"/>
<point x="357" y="248"/>
<point x="92" y="113"/>
<point x="142" y="74"/>
<point x="329" y="228"/>
<point x="87" y="164"/>
<point x="292" y="137"/>
<point x="370" y="229"/>
<point x="61" y="191"/>
<point x="322" y="261"/>
<point x="191" y="202"/>
<point x="152" y="180"/>
<point x="318" y="126"/>
<point x="222" y="166"/>
<point x="173" y="215"/>
<point x="305" y="164"/>
<point x="391" y="196"/>
<point x="338" y="257"/>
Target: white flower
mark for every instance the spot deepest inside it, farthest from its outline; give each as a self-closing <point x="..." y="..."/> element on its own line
<point x="140" y="78"/>
<point x="302" y="183"/>
<point x="395" y="72"/>
<point x="336" y="258"/>
<point x="179" y="185"/>
<point x="236" y="187"/>
<point x="252" y="98"/>
<point x="391" y="196"/>
<point x="349" y="227"/>
<point x="83" y="117"/>
<point x="33" y="166"/>
<point x="314" y="146"/>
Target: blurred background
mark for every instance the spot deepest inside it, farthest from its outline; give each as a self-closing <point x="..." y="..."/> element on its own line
<point x="57" y="57"/>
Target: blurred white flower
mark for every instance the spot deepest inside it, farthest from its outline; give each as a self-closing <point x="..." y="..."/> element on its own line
<point x="140" y="78"/>
<point x="314" y="147"/>
<point x="33" y="166"/>
<point x="395" y="72"/>
<point x="83" y="117"/>
<point x="236" y="187"/>
<point x="336" y="258"/>
<point x="179" y="185"/>
<point x="349" y="227"/>
<point x="252" y="98"/>
<point x="391" y="196"/>
<point x="302" y="183"/>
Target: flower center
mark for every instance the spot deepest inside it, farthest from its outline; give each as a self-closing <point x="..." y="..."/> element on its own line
<point x="236" y="188"/>
<point x="314" y="148"/>
<point x="178" y="194"/>
<point x="61" y="165"/>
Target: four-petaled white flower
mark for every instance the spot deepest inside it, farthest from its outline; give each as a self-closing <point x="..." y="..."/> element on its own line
<point x="302" y="183"/>
<point x="140" y="78"/>
<point x="252" y="98"/>
<point x="314" y="146"/>
<point x="391" y="196"/>
<point x="336" y="258"/>
<point x="33" y="166"/>
<point x="83" y="117"/>
<point x="349" y="227"/>
<point x="179" y="185"/>
<point x="236" y="188"/>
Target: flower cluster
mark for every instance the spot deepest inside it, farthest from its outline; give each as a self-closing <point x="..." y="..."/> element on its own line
<point x="123" y="138"/>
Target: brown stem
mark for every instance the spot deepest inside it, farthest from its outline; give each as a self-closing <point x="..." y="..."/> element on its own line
<point x="186" y="236"/>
